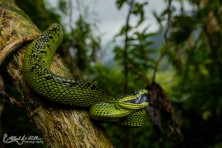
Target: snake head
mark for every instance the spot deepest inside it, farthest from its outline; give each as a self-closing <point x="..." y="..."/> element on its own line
<point x="136" y="100"/>
<point x="140" y="96"/>
<point x="128" y="111"/>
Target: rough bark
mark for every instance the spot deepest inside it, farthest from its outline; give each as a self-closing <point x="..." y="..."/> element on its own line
<point x="60" y="126"/>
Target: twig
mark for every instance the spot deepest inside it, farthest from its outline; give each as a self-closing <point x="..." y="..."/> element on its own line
<point x="138" y="72"/>
<point x="70" y="22"/>
<point x="126" y="45"/>
<point x="165" y="39"/>
<point x="70" y="14"/>
<point x="6" y="98"/>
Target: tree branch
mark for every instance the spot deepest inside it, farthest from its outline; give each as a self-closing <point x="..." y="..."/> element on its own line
<point x="60" y="126"/>
<point x="126" y="45"/>
<point x="165" y="39"/>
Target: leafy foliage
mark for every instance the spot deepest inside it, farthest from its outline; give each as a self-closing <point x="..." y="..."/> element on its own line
<point x="37" y="11"/>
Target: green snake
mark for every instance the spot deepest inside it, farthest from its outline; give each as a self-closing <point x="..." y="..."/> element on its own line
<point x="128" y="110"/>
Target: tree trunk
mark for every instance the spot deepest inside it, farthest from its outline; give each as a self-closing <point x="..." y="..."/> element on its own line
<point x="60" y="126"/>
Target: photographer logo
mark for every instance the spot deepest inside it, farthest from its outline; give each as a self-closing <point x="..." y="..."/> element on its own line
<point x="22" y="139"/>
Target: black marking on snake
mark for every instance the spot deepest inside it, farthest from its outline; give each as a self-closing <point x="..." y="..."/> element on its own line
<point x="32" y="55"/>
<point x="32" y="68"/>
<point x="64" y="80"/>
<point x="88" y="84"/>
<point x="42" y="39"/>
<point x="72" y="84"/>
<point x="42" y="51"/>
<point x="93" y="87"/>
<point x="35" y="67"/>
<point x="105" y="92"/>
<point x="38" y="46"/>
<point x="51" y="37"/>
<point x="54" y="30"/>
<point x="49" y="77"/>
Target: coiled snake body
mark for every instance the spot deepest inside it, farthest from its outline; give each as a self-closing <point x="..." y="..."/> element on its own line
<point x="128" y="110"/>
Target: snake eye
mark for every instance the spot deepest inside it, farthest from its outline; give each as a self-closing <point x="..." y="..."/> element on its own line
<point x="134" y="92"/>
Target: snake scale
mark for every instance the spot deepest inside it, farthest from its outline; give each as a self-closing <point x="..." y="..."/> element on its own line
<point x="128" y="110"/>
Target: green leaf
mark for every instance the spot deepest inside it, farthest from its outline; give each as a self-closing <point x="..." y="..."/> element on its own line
<point x="119" y="3"/>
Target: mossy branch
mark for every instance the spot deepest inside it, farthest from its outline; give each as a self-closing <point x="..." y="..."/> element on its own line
<point x="60" y="127"/>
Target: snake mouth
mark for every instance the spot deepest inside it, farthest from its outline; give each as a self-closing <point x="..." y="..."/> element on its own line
<point x="141" y="99"/>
